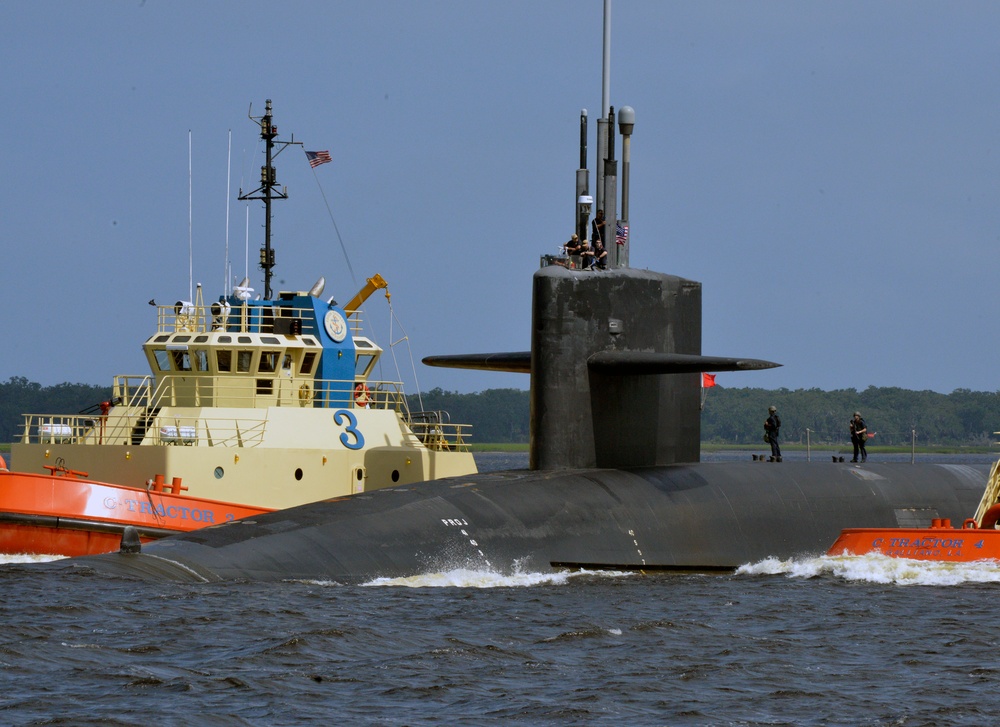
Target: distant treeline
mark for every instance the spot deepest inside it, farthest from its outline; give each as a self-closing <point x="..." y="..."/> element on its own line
<point x="496" y="415"/>
<point x="730" y="416"/>
<point x="963" y="417"/>
<point x="736" y="416"/>
<point x="18" y="396"/>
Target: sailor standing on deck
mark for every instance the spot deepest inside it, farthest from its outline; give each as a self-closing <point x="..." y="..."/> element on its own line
<point x="597" y="227"/>
<point x="772" y="425"/>
<point x="860" y="437"/>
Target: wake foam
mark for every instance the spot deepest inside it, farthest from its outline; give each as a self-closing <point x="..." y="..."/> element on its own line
<point x="468" y="578"/>
<point x="878" y="568"/>
<point x="28" y="558"/>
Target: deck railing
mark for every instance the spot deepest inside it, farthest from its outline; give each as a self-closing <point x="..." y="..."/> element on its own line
<point x="141" y="423"/>
<point x="435" y="430"/>
<point x="153" y="430"/>
<point x="237" y="319"/>
<point x="255" y="393"/>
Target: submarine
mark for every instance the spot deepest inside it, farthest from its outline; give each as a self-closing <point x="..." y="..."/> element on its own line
<point x="615" y="480"/>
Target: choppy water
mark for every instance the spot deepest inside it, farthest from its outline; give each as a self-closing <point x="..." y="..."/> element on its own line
<point x="853" y="641"/>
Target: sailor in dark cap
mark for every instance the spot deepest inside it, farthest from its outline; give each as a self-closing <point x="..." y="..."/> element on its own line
<point x="573" y="246"/>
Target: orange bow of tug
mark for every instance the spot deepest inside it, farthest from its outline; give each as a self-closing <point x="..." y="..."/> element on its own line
<point x="975" y="539"/>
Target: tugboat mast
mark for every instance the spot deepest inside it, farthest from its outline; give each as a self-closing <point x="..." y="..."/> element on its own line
<point x="268" y="190"/>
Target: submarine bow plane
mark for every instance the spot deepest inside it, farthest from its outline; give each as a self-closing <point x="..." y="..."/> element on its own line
<point x="614" y="480"/>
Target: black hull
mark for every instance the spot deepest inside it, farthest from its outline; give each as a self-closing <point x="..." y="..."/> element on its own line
<point x="704" y="516"/>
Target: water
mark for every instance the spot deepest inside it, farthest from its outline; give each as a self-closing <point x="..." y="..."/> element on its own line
<point x="814" y="641"/>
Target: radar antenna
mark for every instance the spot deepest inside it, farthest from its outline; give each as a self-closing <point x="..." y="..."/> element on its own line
<point x="268" y="189"/>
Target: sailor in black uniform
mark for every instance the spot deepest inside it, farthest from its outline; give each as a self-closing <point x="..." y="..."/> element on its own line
<point x="771" y="427"/>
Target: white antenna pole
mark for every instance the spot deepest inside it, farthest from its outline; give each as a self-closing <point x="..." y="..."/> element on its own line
<point x="190" y="227"/>
<point x="229" y="176"/>
<point x="246" y="262"/>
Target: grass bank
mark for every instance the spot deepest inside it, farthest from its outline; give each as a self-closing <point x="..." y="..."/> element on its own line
<point x="499" y="447"/>
<point x="716" y="447"/>
<point x="785" y="446"/>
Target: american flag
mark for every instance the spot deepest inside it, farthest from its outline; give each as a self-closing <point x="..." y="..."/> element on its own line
<point x="318" y="157"/>
<point x="621" y="233"/>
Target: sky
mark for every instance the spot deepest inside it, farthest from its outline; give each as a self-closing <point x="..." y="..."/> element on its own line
<point x="829" y="172"/>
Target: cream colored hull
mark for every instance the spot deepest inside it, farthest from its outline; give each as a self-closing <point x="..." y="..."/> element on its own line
<point x="274" y="457"/>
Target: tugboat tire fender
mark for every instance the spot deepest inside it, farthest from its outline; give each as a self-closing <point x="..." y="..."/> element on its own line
<point x="991" y="517"/>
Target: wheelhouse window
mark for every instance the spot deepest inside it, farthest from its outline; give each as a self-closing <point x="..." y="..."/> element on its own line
<point x="224" y="360"/>
<point x="363" y="363"/>
<point x="243" y="361"/>
<point x="269" y="361"/>
<point x="366" y="353"/>
<point x="182" y="360"/>
<point x="308" y="361"/>
<point x="162" y="359"/>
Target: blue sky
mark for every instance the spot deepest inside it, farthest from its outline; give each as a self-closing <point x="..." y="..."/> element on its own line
<point x="829" y="171"/>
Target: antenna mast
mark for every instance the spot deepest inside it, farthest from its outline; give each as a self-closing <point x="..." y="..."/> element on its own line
<point x="268" y="190"/>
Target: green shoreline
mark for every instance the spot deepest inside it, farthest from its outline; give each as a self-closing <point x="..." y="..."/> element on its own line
<point x="716" y="447"/>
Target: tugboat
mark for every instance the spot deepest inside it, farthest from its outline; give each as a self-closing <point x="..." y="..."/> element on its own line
<point x="251" y="405"/>
<point x="975" y="539"/>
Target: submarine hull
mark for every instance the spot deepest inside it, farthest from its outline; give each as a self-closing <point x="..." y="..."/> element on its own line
<point x="699" y="516"/>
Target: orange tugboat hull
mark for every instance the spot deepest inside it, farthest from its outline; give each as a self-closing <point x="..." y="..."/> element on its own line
<point x="65" y="514"/>
<point x="940" y="542"/>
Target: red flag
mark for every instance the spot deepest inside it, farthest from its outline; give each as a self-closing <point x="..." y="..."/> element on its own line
<point x="707" y="381"/>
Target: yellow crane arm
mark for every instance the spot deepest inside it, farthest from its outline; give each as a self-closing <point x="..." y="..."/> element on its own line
<point x="376" y="282"/>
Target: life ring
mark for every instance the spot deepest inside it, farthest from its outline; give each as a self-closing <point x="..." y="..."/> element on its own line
<point x="305" y="394"/>
<point x="362" y="395"/>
